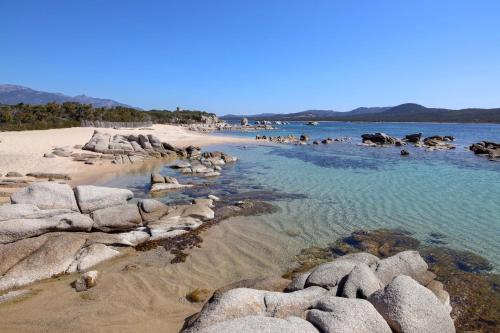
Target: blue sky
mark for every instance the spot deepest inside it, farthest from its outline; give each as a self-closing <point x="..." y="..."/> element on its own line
<point x="257" y="56"/>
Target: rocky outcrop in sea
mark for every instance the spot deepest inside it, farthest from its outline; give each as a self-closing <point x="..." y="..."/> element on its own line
<point x="491" y="149"/>
<point x="436" y="142"/>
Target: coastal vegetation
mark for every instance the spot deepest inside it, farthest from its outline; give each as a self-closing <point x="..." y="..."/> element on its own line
<point x="54" y="115"/>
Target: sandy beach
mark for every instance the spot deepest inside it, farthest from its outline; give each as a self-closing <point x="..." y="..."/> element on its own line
<point x="23" y="151"/>
<point x="139" y="287"/>
<point x="149" y="296"/>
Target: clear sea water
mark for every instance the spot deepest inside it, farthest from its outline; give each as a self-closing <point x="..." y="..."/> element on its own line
<point x="343" y="187"/>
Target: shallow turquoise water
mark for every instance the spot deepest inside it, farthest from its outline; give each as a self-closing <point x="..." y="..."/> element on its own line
<point x="345" y="187"/>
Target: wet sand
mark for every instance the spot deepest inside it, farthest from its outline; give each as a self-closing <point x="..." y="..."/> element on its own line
<point x="150" y="296"/>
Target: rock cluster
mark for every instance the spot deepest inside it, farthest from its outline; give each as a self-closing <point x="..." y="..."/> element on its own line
<point x="439" y="142"/>
<point x="165" y="183"/>
<point x="281" y="139"/>
<point x="302" y="140"/>
<point x="208" y="164"/>
<point x="120" y="149"/>
<point x="430" y="143"/>
<point x="491" y="149"/>
<point x="378" y="139"/>
<point x="355" y="293"/>
<point x="51" y="229"/>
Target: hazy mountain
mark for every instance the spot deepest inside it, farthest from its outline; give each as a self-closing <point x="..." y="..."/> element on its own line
<point x="13" y="94"/>
<point x="409" y="112"/>
<point x="365" y="110"/>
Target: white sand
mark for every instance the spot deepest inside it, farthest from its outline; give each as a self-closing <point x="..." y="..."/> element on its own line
<point x="23" y="151"/>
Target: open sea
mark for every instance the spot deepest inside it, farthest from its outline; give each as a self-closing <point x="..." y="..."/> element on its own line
<point x="327" y="191"/>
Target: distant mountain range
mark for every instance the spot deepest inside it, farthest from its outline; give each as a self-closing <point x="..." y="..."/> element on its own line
<point x="13" y="94"/>
<point x="408" y="112"/>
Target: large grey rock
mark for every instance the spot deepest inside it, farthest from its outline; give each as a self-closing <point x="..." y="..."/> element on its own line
<point x="298" y="283"/>
<point x="379" y="138"/>
<point x="242" y="302"/>
<point x="37" y="258"/>
<point x="13" y="230"/>
<point x="361" y="282"/>
<point x="282" y="305"/>
<point x="343" y="315"/>
<point x="409" y="307"/>
<point x="330" y="275"/>
<point x="258" y="324"/>
<point x="123" y="217"/>
<point x="90" y="256"/>
<point x="137" y="147"/>
<point x="155" y="142"/>
<point x="235" y="303"/>
<point x="28" y="211"/>
<point x="152" y="210"/>
<point x="91" y="198"/>
<point x="46" y="195"/>
<point x="99" y="142"/>
<point x="404" y="263"/>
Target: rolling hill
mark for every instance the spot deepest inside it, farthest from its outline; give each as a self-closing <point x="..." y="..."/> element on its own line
<point x="408" y="112"/>
<point x="13" y="94"/>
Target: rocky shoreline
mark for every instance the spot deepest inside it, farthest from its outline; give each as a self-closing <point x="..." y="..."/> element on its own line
<point x="52" y="229"/>
<point x="378" y="139"/>
<point x="367" y="282"/>
<point x="354" y="293"/>
<point x="474" y="296"/>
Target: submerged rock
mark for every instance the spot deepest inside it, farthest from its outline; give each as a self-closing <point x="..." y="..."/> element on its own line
<point x="159" y="187"/>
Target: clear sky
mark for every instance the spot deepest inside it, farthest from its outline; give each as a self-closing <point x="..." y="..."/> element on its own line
<point x="239" y="56"/>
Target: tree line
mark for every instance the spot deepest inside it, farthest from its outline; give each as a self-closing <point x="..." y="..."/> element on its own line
<point x="54" y="115"/>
